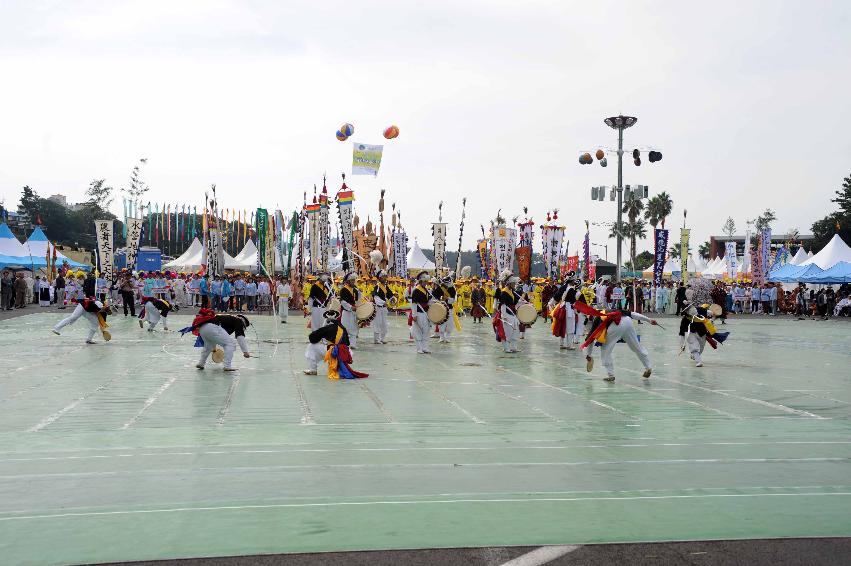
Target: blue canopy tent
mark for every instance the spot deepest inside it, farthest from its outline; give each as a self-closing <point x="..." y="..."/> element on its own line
<point x="839" y="273"/>
<point x="36" y="247"/>
<point x="794" y="273"/>
<point x="12" y="252"/>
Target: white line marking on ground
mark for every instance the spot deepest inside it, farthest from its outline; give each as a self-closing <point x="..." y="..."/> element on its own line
<point x="223" y="413"/>
<point x="469" y="415"/>
<point x="695" y="403"/>
<point x="412" y="502"/>
<point x="541" y="555"/>
<point x="150" y="401"/>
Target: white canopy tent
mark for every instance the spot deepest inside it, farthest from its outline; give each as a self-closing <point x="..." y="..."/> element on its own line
<point x="246" y="260"/>
<point x="799" y="257"/>
<point x="835" y="251"/>
<point x="417" y="259"/>
<point x="190" y="260"/>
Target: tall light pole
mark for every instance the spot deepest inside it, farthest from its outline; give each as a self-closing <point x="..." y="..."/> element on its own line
<point x="620" y="123"/>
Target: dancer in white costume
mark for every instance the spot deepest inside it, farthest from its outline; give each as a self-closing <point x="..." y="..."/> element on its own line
<point x="215" y="330"/>
<point x="284" y="291"/>
<point x="381" y="296"/>
<point x="349" y="296"/>
<point x="609" y="328"/>
<point x="445" y="291"/>
<point x="154" y="310"/>
<point x="509" y="297"/>
<point x="420" y="300"/>
<point x="318" y="300"/>
<point x="93" y="312"/>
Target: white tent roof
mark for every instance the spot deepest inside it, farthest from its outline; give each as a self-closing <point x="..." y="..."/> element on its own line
<point x="9" y="244"/>
<point x="800" y="257"/>
<point x="417" y="259"/>
<point x="246" y="260"/>
<point x="699" y="264"/>
<point x="190" y="260"/>
<point x="835" y="251"/>
<point x="810" y="253"/>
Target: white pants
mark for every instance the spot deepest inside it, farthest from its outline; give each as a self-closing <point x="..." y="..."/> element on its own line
<point x="89" y="317"/>
<point x="350" y="323"/>
<point x="379" y="324"/>
<point x="511" y="328"/>
<point x="153" y="317"/>
<point x="284" y="308"/>
<point x="317" y="321"/>
<point x="420" y="330"/>
<point x="625" y="331"/>
<point x="569" y="326"/>
<point x="179" y="296"/>
<point x="580" y="327"/>
<point x="214" y="335"/>
<point x="445" y="329"/>
<point x="315" y="353"/>
<point x="695" y="345"/>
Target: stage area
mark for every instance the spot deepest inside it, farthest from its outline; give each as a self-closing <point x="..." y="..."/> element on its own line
<point x="124" y="451"/>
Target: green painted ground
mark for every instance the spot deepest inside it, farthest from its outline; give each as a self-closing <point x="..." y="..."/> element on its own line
<point x="124" y="451"/>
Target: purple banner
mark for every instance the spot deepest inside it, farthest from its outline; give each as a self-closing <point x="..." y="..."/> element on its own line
<point x="586" y="257"/>
<point x="659" y="255"/>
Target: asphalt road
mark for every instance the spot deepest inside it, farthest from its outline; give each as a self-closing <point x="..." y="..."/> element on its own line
<point x="777" y="552"/>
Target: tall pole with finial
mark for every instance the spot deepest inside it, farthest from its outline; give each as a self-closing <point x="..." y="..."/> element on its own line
<point x="460" y="236"/>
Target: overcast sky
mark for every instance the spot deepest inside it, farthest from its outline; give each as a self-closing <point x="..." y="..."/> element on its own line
<point x="749" y="102"/>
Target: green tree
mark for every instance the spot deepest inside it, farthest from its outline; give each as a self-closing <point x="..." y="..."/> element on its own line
<point x="729" y="227"/>
<point x="703" y="250"/>
<point x="843" y="197"/>
<point x="138" y="187"/>
<point x="642" y="261"/>
<point x="765" y="219"/>
<point x="99" y="195"/>
<point x="658" y="208"/>
<point x="30" y="202"/>
<point x="838" y="222"/>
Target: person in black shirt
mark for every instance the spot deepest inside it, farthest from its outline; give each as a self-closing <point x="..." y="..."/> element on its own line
<point x="89" y="285"/>
<point x="318" y="300"/>
<point x="696" y="329"/>
<point x="508" y="299"/>
<point x="381" y="296"/>
<point x="330" y="333"/>
<point x="449" y="296"/>
<point x="420" y="299"/>
<point x="94" y="312"/>
<point x="216" y="330"/>
<point x="349" y="296"/>
<point x="59" y="291"/>
<point x="477" y="300"/>
<point x="153" y="310"/>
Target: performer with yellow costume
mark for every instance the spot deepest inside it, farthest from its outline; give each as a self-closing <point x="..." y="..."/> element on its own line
<point x="331" y="344"/>
<point x="420" y="299"/>
<point x="349" y="296"/>
<point x="94" y="312"/>
<point x="696" y="329"/>
<point x="609" y="328"/>
<point x="381" y="296"/>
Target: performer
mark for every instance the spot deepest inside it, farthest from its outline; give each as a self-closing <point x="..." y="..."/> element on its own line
<point x="284" y="291"/>
<point x="564" y="317"/>
<point x="331" y="343"/>
<point x="477" y="299"/>
<point x="215" y="330"/>
<point x="585" y="296"/>
<point x="420" y="300"/>
<point x="696" y="329"/>
<point x="43" y="292"/>
<point x="153" y="310"/>
<point x="449" y="295"/>
<point x="508" y="299"/>
<point x="320" y="294"/>
<point x="381" y="296"/>
<point x="349" y="295"/>
<point x="94" y="312"/>
<point x="609" y="328"/>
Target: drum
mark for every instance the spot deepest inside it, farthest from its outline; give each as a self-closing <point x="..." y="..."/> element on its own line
<point x="438" y="313"/>
<point x="334" y="305"/>
<point x="218" y="355"/>
<point x="365" y="312"/>
<point x="527" y="314"/>
<point x="716" y="310"/>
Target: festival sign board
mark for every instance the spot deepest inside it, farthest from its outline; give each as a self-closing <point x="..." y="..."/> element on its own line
<point x="732" y="261"/>
<point x="400" y="253"/>
<point x="106" y="259"/>
<point x="262" y="227"/>
<point x="438" y="229"/>
<point x="659" y="255"/>
<point x="366" y="159"/>
<point x="215" y="253"/>
<point x="684" y="233"/>
<point x="134" y="236"/>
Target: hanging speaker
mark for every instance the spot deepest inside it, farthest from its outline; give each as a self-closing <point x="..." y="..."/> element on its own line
<point x="602" y="193"/>
<point x="636" y="154"/>
<point x="604" y="162"/>
<point x="594" y="193"/>
<point x="637" y="161"/>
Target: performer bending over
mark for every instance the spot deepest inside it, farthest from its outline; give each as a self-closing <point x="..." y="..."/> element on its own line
<point x="609" y="328"/>
<point x="696" y="329"/>
<point x="153" y="310"/>
<point x="381" y="295"/>
<point x="331" y="343"/>
<point x="349" y="296"/>
<point x="94" y="312"/>
<point x="420" y="299"/>
<point x="215" y="330"/>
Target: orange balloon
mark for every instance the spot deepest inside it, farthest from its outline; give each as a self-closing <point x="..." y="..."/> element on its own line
<point x="600" y="154"/>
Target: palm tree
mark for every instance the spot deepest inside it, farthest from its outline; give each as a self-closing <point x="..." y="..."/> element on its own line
<point x="659" y="207"/>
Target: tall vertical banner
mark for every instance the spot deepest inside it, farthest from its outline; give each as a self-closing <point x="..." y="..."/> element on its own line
<point x="106" y="265"/>
<point x="586" y="255"/>
<point x="399" y="241"/>
<point x="134" y="236"/>
<point x="262" y="227"/>
<point x="313" y="236"/>
<point x="324" y="231"/>
<point x="781" y="258"/>
<point x="526" y="233"/>
<point x="659" y="255"/>
<point x="215" y="253"/>
<point x="765" y="251"/>
<point x="345" y="198"/>
<point x="552" y="237"/>
<point x="511" y="234"/>
<point x="503" y="244"/>
<point x="684" y="232"/>
<point x="732" y="260"/>
<point x="482" y="247"/>
<point x="524" y="262"/>
<point x="280" y="238"/>
<point x="438" y="230"/>
<point x="366" y="159"/>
